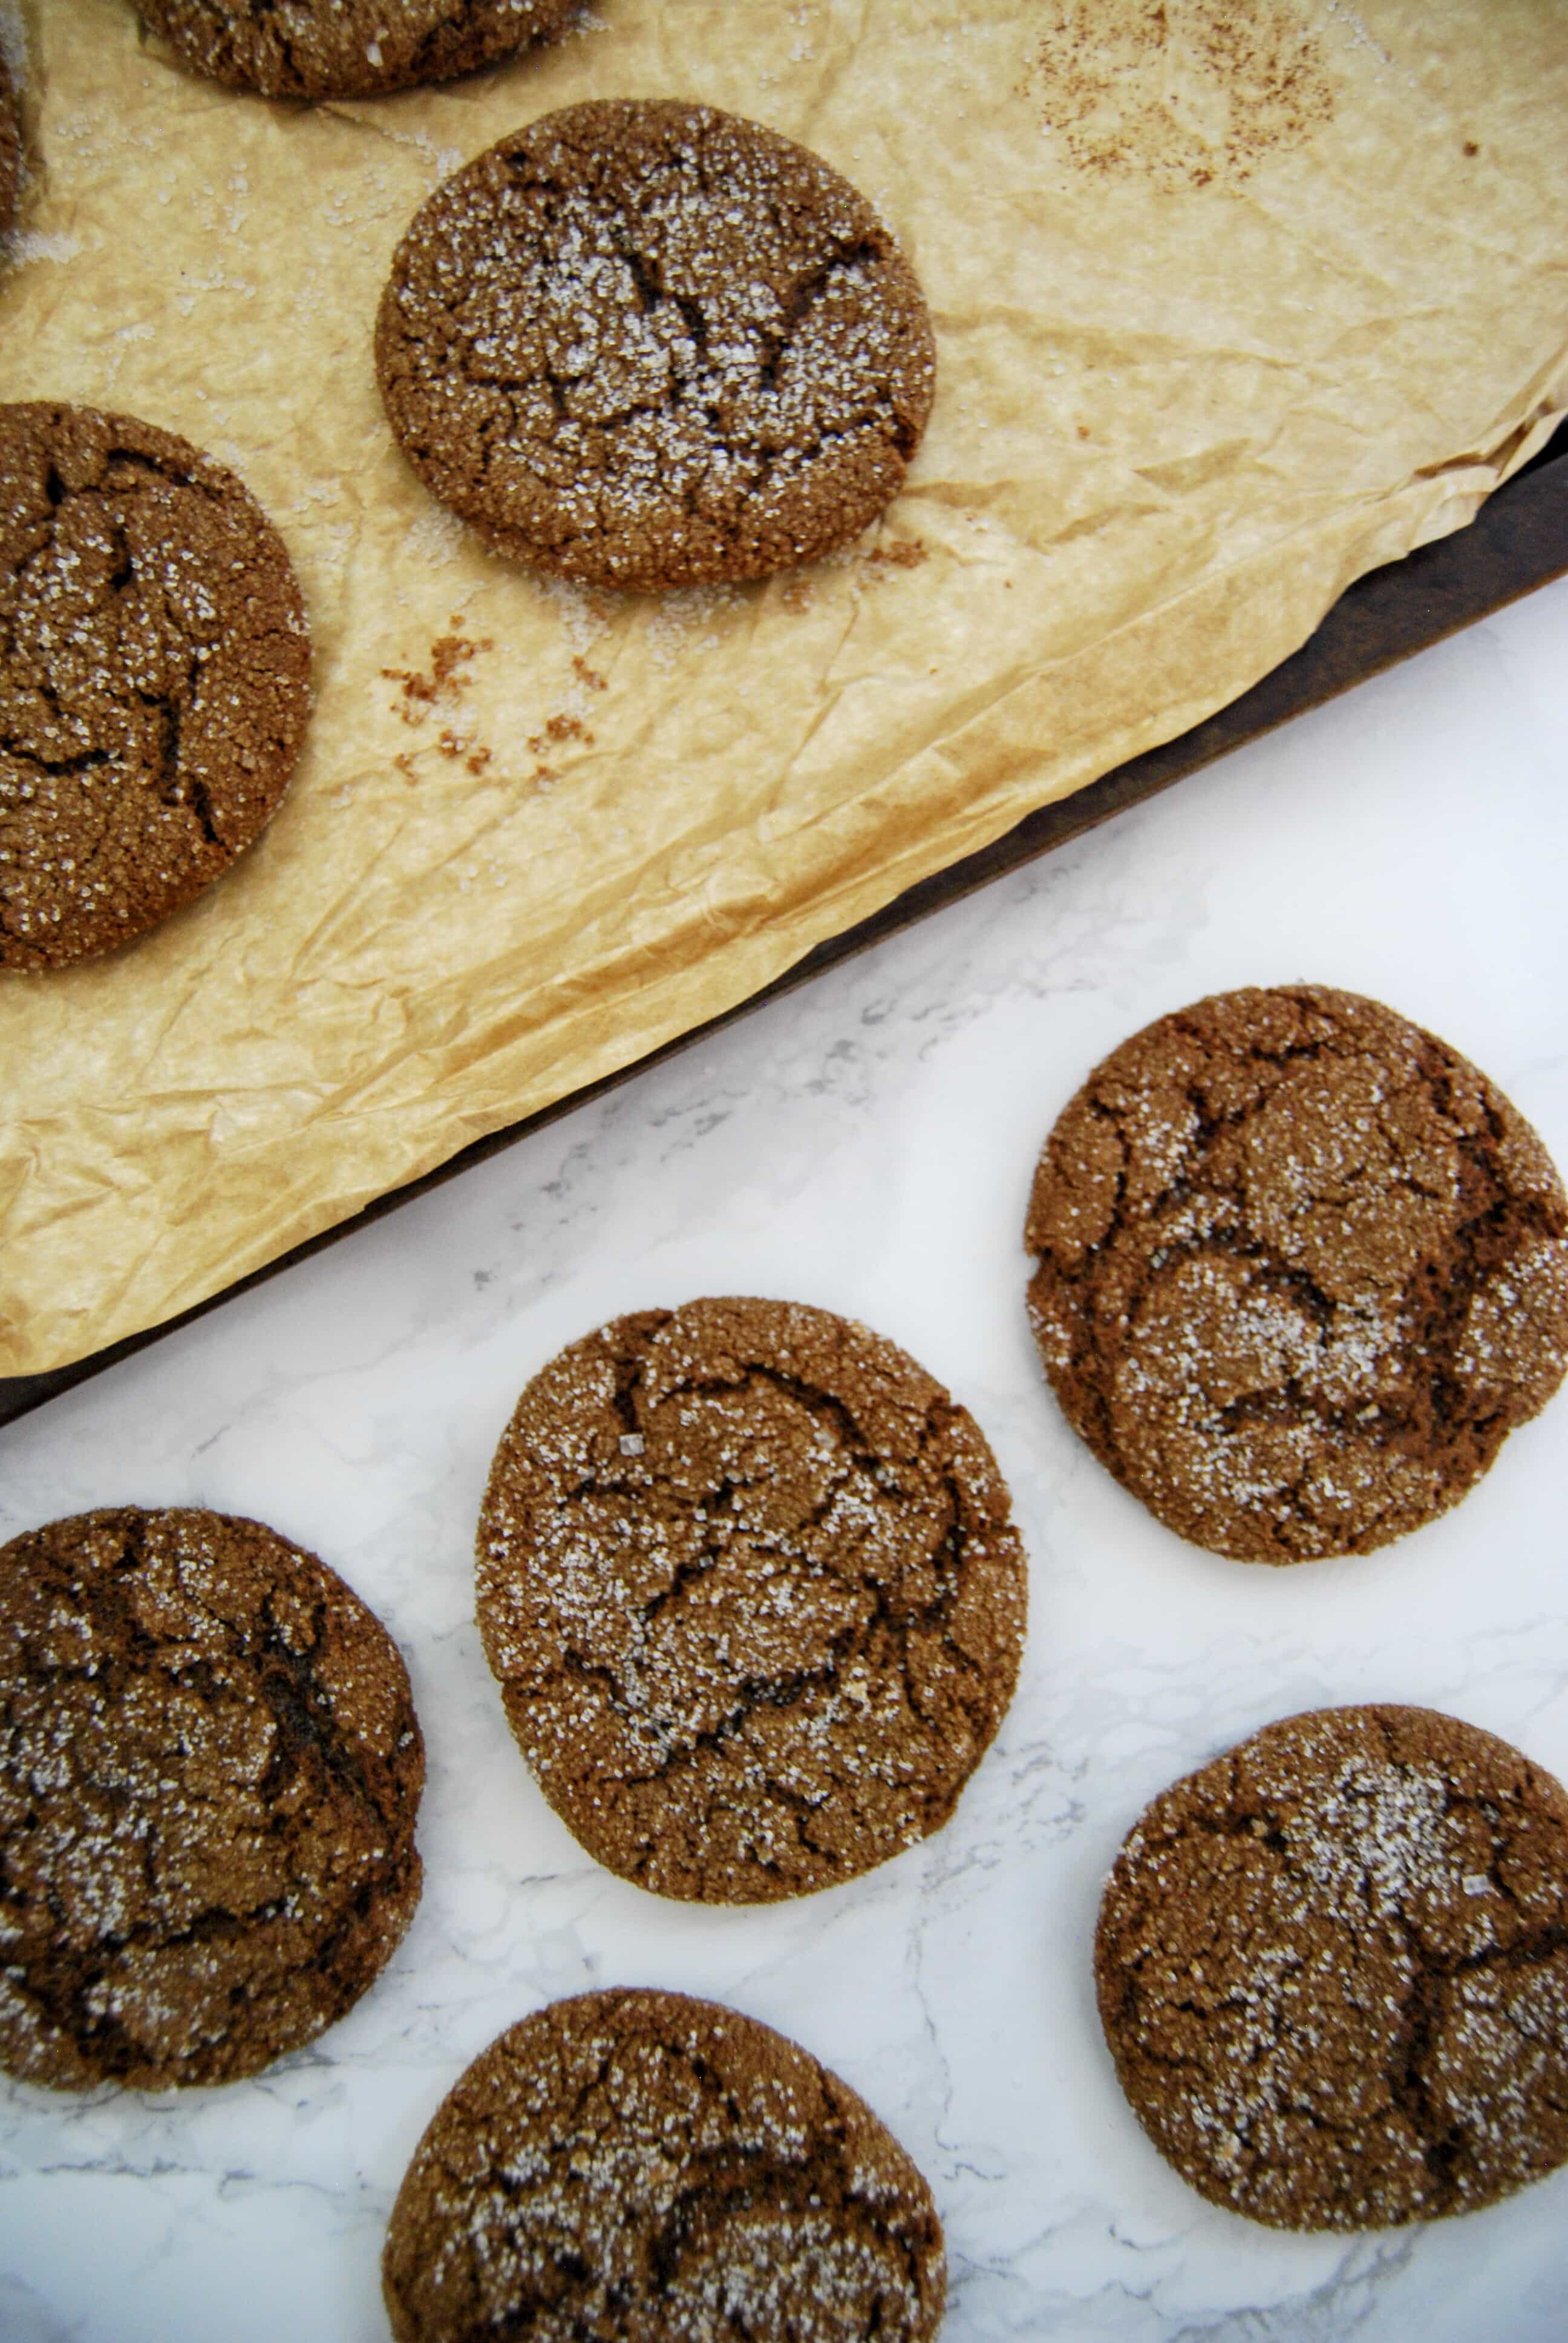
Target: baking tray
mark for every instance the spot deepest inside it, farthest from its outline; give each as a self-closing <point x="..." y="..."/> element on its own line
<point x="1518" y="541"/>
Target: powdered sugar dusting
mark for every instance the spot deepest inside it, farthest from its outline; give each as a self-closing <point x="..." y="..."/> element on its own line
<point x="23" y="246"/>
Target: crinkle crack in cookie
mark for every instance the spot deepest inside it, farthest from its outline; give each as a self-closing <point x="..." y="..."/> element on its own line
<point x="748" y="1578"/>
<point x="153" y="678"/>
<point x="209" y="1772"/>
<point x="1302" y="1270"/>
<point x="10" y="150"/>
<point x="647" y="344"/>
<point x="638" y="2168"/>
<point x="1333" y="1970"/>
<point x="348" y="48"/>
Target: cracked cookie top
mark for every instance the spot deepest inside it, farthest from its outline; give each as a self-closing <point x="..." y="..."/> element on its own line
<point x="1333" y="1970"/>
<point x="630" y="2165"/>
<point x="1302" y="1270"/>
<point x="646" y="344"/>
<point x="348" y="48"/>
<point x="153" y="678"/>
<point x="748" y="1578"/>
<point x="10" y="149"/>
<point x="209" y="1772"/>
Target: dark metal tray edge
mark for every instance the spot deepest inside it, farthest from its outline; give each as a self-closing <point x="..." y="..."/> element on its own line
<point x="1518" y="541"/>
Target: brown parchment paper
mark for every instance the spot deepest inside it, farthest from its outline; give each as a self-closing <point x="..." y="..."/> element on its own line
<point x="1233" y="303"/>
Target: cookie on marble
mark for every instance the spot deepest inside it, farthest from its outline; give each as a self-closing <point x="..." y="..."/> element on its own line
<point x="1333" y="1970"/>
<point x="646" y="344"/>
<point x="209" y="1772"/>
<point x="154" y="675"/>
<point x="748" y="1580"/>
<point x="349" y="48"/>
<point x="1301" y="1269"/>
<point x="10" y="149"/>
<point x="639" y="2165"/>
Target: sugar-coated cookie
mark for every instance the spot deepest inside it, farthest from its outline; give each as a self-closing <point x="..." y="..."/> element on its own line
<point x="209" y="1772"/>
<point x="646" y="344"/>
<point x="1301" y="1269"/>
<point x="748" y="1580"/>
<point x="349" y="48"/>
<point x="640" y="2168"/>
<point x="154" y="678"/>
<point x="1333" y="1970"/>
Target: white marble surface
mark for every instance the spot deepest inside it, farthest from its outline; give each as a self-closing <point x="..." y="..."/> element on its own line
<point x="866" y="1145"/>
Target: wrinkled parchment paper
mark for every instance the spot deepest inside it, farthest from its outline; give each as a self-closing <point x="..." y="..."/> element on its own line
<point x="1233" y="303"/>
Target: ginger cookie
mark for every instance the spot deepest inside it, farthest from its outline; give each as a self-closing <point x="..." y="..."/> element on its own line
<point x="153" y="678"/>
<point x="646" y="344"/>
<point x="10" y="149"/>
<point x="629" y="2167"/>
<point x="349" y="48"/>
<point x="749" y="1581"/>
<point x="1333" y="1970"/>
<point x="209" y="1772"/>
<point x="1302" y="1270"/>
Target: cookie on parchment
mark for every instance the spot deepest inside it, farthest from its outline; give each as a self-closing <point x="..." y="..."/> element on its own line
<point x="1333" y="1970"/>
<point x="646" y="344"/>
<point x="749" y="1583"/>
<point x="10" y="149"/>
<point x="349" y="48"/>
<point x="636" y="2167"/>
<point x="209" y="1772"/>
<point x="1301" y="1269"/>
<point x="154" y="675"/>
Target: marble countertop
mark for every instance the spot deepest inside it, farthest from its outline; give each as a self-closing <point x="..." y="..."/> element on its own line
<point x="867" y="1144"/>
